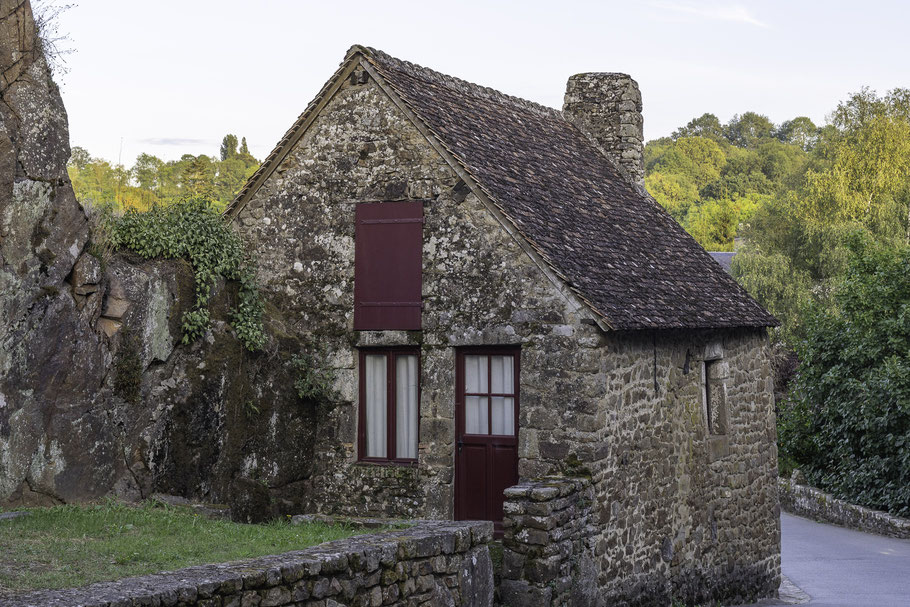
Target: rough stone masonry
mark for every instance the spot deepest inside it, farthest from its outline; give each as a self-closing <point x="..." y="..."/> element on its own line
<point x="681" y="510"/>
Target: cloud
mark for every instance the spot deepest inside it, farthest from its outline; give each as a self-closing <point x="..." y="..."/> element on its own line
<point x="175" y="141"/>
<point x="716" y="12"/>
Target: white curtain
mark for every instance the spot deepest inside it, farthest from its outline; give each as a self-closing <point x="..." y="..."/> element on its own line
<point x="502" y="380"/>
<point x="376" y="394"/>
<point x="475" y="407"/>
<point x="406" y="407"/>
<point x="475" y="374"/>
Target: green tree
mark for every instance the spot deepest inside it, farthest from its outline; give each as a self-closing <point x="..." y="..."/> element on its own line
<point x="847" y="424"/>
<point x="676" y="193"/>
<point x="706" y="125"/>
<point x="229" y="146"/>
<point x="748" y="129"/>
<point x="198" y="178"/>
<point x="697" y="158"/>
<point x="147" y="171"/>
<point x="800" y="131"/>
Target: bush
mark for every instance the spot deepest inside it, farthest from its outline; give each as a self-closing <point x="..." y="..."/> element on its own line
<point x="192" y="230"/>
<point x="847" y="423"/>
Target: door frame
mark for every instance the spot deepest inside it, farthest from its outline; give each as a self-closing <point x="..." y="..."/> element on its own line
<point x="460" y="353"/>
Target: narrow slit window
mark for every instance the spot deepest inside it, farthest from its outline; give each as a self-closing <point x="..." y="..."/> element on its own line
<point x="715" y="397"/>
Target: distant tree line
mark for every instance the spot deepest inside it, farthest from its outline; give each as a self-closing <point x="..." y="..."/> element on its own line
<point x="152" y="181"/>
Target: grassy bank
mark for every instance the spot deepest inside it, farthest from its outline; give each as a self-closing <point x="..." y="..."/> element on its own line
<point x="68" y="546"/>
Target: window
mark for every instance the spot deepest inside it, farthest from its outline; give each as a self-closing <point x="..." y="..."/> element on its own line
<point x="490" y="392"/>
<point x="389" y="401"/>
<point x="715" y="397"/>
<point x="388" y="245"/>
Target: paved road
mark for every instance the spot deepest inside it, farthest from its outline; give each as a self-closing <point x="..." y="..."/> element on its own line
<point x="840" y="567"/>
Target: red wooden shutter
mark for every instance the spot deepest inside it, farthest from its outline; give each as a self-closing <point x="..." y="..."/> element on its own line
<point x="388" y="246"/>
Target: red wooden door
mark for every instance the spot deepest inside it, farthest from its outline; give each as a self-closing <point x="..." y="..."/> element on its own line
<point x="486" y="431"/>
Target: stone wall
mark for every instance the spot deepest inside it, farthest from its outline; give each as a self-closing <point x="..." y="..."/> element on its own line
<point x="432" y="563"/>
<point x="815" y="504"/>
<point x="548" y="545"/>
<point x="684" y="514"/>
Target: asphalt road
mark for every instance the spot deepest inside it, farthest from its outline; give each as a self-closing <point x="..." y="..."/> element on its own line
<point x="844" y="568"/>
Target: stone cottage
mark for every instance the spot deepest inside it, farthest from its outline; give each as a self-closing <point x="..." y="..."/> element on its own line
<point x="500" y="299"/>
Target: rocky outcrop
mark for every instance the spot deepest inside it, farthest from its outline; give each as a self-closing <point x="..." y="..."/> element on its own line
<point x="97" y="395"/>
<point x="45" y="409"/>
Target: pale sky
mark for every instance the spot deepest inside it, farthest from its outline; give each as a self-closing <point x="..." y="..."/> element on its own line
<point x="172" y="77"/>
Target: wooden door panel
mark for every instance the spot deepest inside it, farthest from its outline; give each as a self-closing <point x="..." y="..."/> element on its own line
<point x="474" y="485"/>
<point x="486" y="464"/>
<point x="504" y="469"/>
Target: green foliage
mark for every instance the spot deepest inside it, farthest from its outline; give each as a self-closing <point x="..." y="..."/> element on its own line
<point x="748" y="129"/>
<point x="67" y="546"/>
<point x="847" y="424"/>
<point x="315" y="380"/>
<point x="706" y="125"/>
<point x="153" y="181"/>
<point x="228" y="147"/>
<point x="192" y="230"/>
<point x="676" y="193"/>
<point x="713" y="223"/>
<point x="771" y="279"/>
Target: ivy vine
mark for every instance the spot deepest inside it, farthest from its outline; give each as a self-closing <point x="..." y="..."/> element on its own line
<point x="191" y="229"/>
<point x="314" y="379"/>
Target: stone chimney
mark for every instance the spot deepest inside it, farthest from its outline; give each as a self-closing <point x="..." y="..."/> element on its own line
<point x="607" y="107"/>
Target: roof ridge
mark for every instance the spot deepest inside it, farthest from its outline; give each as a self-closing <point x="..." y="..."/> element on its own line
<point x="459" y="84"/>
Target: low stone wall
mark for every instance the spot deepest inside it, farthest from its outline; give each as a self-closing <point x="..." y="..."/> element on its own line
<point x="432" y="563"/>
<point x="814" y="503"/>
<point x="548" y="545"/>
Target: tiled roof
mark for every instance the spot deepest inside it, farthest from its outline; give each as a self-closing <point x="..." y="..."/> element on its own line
<point x="614" y="246"/>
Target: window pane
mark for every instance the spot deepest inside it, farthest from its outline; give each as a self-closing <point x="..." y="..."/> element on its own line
<point x="475" y="415"/>
<point x="475" y="374"/>
<point x="376" y="430"/>
<point x="503" y="414"/>
<point x="406" y="407"/>
<point x="503" y="375"/>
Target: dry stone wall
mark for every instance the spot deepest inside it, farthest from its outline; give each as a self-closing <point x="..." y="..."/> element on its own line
<point x="808" y="501"/>
<point x="432" y="563"/>
<point x="548" y="545"/>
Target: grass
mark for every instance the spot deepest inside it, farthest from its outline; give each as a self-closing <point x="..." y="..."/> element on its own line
<point x="68" y="546"/>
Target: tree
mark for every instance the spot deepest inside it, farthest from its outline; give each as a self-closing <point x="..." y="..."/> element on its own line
<point x="79" y="158"/>
<point x="800" y="131"/>
<point x="847" y="423"/>
<point x="706" y="125"/>
<point x="229" y="146"/>
<point x="198" y="177"/>
<point x="748" y="129"/>
<point x="147" y="171"/>
<point x="676" y="193"/>
<point x="698" y="158"/>
<point x="244" y="150"/>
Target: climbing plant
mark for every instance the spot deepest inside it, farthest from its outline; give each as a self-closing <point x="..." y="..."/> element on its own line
<point x="191" y="229"/>
<point x="314" y="379"/>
